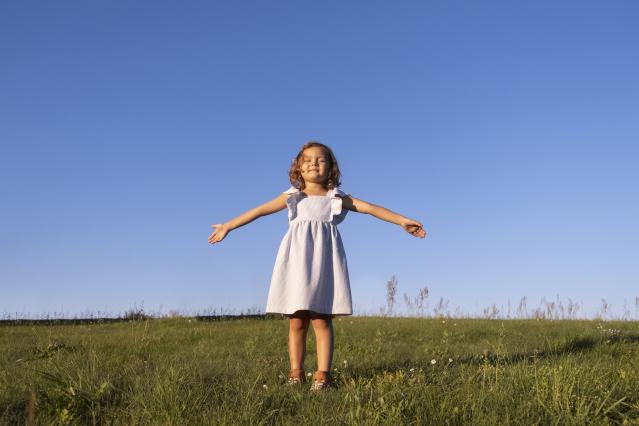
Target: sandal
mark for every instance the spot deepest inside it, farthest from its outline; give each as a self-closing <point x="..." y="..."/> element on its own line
<point x="296" y="377"/>
<point x="321" y="381"/>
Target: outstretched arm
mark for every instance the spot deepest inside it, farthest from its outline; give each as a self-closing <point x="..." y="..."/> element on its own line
<point x="411" y="226"/>
<point x="221" y="229"/>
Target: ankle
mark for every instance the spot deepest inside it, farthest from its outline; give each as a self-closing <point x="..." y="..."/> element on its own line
<point x="320" y="375"/>
<point x="296" y="373"/>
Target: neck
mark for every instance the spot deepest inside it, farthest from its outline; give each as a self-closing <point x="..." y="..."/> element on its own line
<point x="314" y="187"/>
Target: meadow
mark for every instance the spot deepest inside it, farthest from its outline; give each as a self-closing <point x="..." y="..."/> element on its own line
<point x="387" y="370"/>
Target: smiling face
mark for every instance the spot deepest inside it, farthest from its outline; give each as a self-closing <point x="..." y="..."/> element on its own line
<point x="314" y="165"/>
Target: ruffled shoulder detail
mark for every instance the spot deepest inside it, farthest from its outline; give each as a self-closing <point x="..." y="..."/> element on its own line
<point x="292" y="190"/>
<point x="338" y="214"/>
<point x="294" y="195"/>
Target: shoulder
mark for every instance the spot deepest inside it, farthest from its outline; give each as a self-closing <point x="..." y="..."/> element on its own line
<point x="345" y="200"/>
<point x="336" y="192"/>
<point x="291" y="190"/>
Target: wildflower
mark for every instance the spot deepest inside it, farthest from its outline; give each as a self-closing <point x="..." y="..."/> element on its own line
<point x="265" y="387"/>
<point x="443" y="321"/>
<point x="309" y="374"/>
<point x="412" y="370"/>
<point x="433" y="361"/>
<point x="345" y="362"/>
<point x="450" y="360"/>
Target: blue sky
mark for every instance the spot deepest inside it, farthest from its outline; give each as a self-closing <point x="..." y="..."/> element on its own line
<point x="510" y="130"/>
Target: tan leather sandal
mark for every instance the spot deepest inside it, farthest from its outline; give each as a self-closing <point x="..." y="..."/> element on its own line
<point x="296" y="377"/>
<point x="321" y="381"/>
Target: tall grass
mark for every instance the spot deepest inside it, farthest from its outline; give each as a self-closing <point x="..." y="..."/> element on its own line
<point x="421" y="363"/>
<point x="387" y="370"/>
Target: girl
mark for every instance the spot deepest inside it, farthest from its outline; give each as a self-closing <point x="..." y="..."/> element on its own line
<point x="310" y="281"/>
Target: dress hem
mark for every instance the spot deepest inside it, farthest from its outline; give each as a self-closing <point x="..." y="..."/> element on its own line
<point x="318" y="312"/>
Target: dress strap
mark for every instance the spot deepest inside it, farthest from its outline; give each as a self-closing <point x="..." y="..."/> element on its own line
<point x="291" y="201"/>
<point x="291" y="190"/>
<point x="337" y="212"/>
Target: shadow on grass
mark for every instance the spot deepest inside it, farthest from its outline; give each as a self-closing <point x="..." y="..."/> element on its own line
<point x="574" y="345"/>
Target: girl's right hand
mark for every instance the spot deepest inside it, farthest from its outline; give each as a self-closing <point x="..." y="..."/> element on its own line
<point x="221" y="229"/>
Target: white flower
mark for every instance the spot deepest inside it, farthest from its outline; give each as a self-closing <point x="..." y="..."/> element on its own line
<point x="309" y="374"/>
<point x="345" y="362"/>
<point x="265" y="387"/>
<point x="450" y="360"/>
<point x="412" y="370"/>
<point x="433" y="361"/>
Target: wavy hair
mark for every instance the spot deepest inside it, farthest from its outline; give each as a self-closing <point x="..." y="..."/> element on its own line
<point x="334" y="175"/>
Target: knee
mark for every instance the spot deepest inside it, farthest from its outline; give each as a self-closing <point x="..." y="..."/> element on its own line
<point x="298" y="325"/>
<point x="322" y="325"/>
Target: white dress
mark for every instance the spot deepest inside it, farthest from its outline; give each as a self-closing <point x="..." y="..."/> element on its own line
<point x="310" y="270"/>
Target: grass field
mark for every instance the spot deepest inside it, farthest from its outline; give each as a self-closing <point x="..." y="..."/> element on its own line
<point x="387" y="371"/>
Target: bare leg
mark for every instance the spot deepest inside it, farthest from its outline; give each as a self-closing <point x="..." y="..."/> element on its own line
<point x="323" y="328"/>
<point x="298" y="328"/>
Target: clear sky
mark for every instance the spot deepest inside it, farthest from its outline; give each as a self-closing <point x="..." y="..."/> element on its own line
<point x="510" y="129"/>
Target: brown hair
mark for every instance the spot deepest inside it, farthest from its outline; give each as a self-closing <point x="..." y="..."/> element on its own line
<point x="295" y="175"/>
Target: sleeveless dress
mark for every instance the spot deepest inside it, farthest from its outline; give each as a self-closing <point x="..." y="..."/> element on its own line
<point x="310" y="271"/>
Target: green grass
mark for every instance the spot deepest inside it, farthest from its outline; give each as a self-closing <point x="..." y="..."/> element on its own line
<point x="185" y="371"/>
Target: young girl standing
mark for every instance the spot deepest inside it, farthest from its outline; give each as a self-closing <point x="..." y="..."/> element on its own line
<point x="310" y="281"/>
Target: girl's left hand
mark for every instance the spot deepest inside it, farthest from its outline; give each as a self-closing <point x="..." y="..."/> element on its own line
<point x="414" y="228"/>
